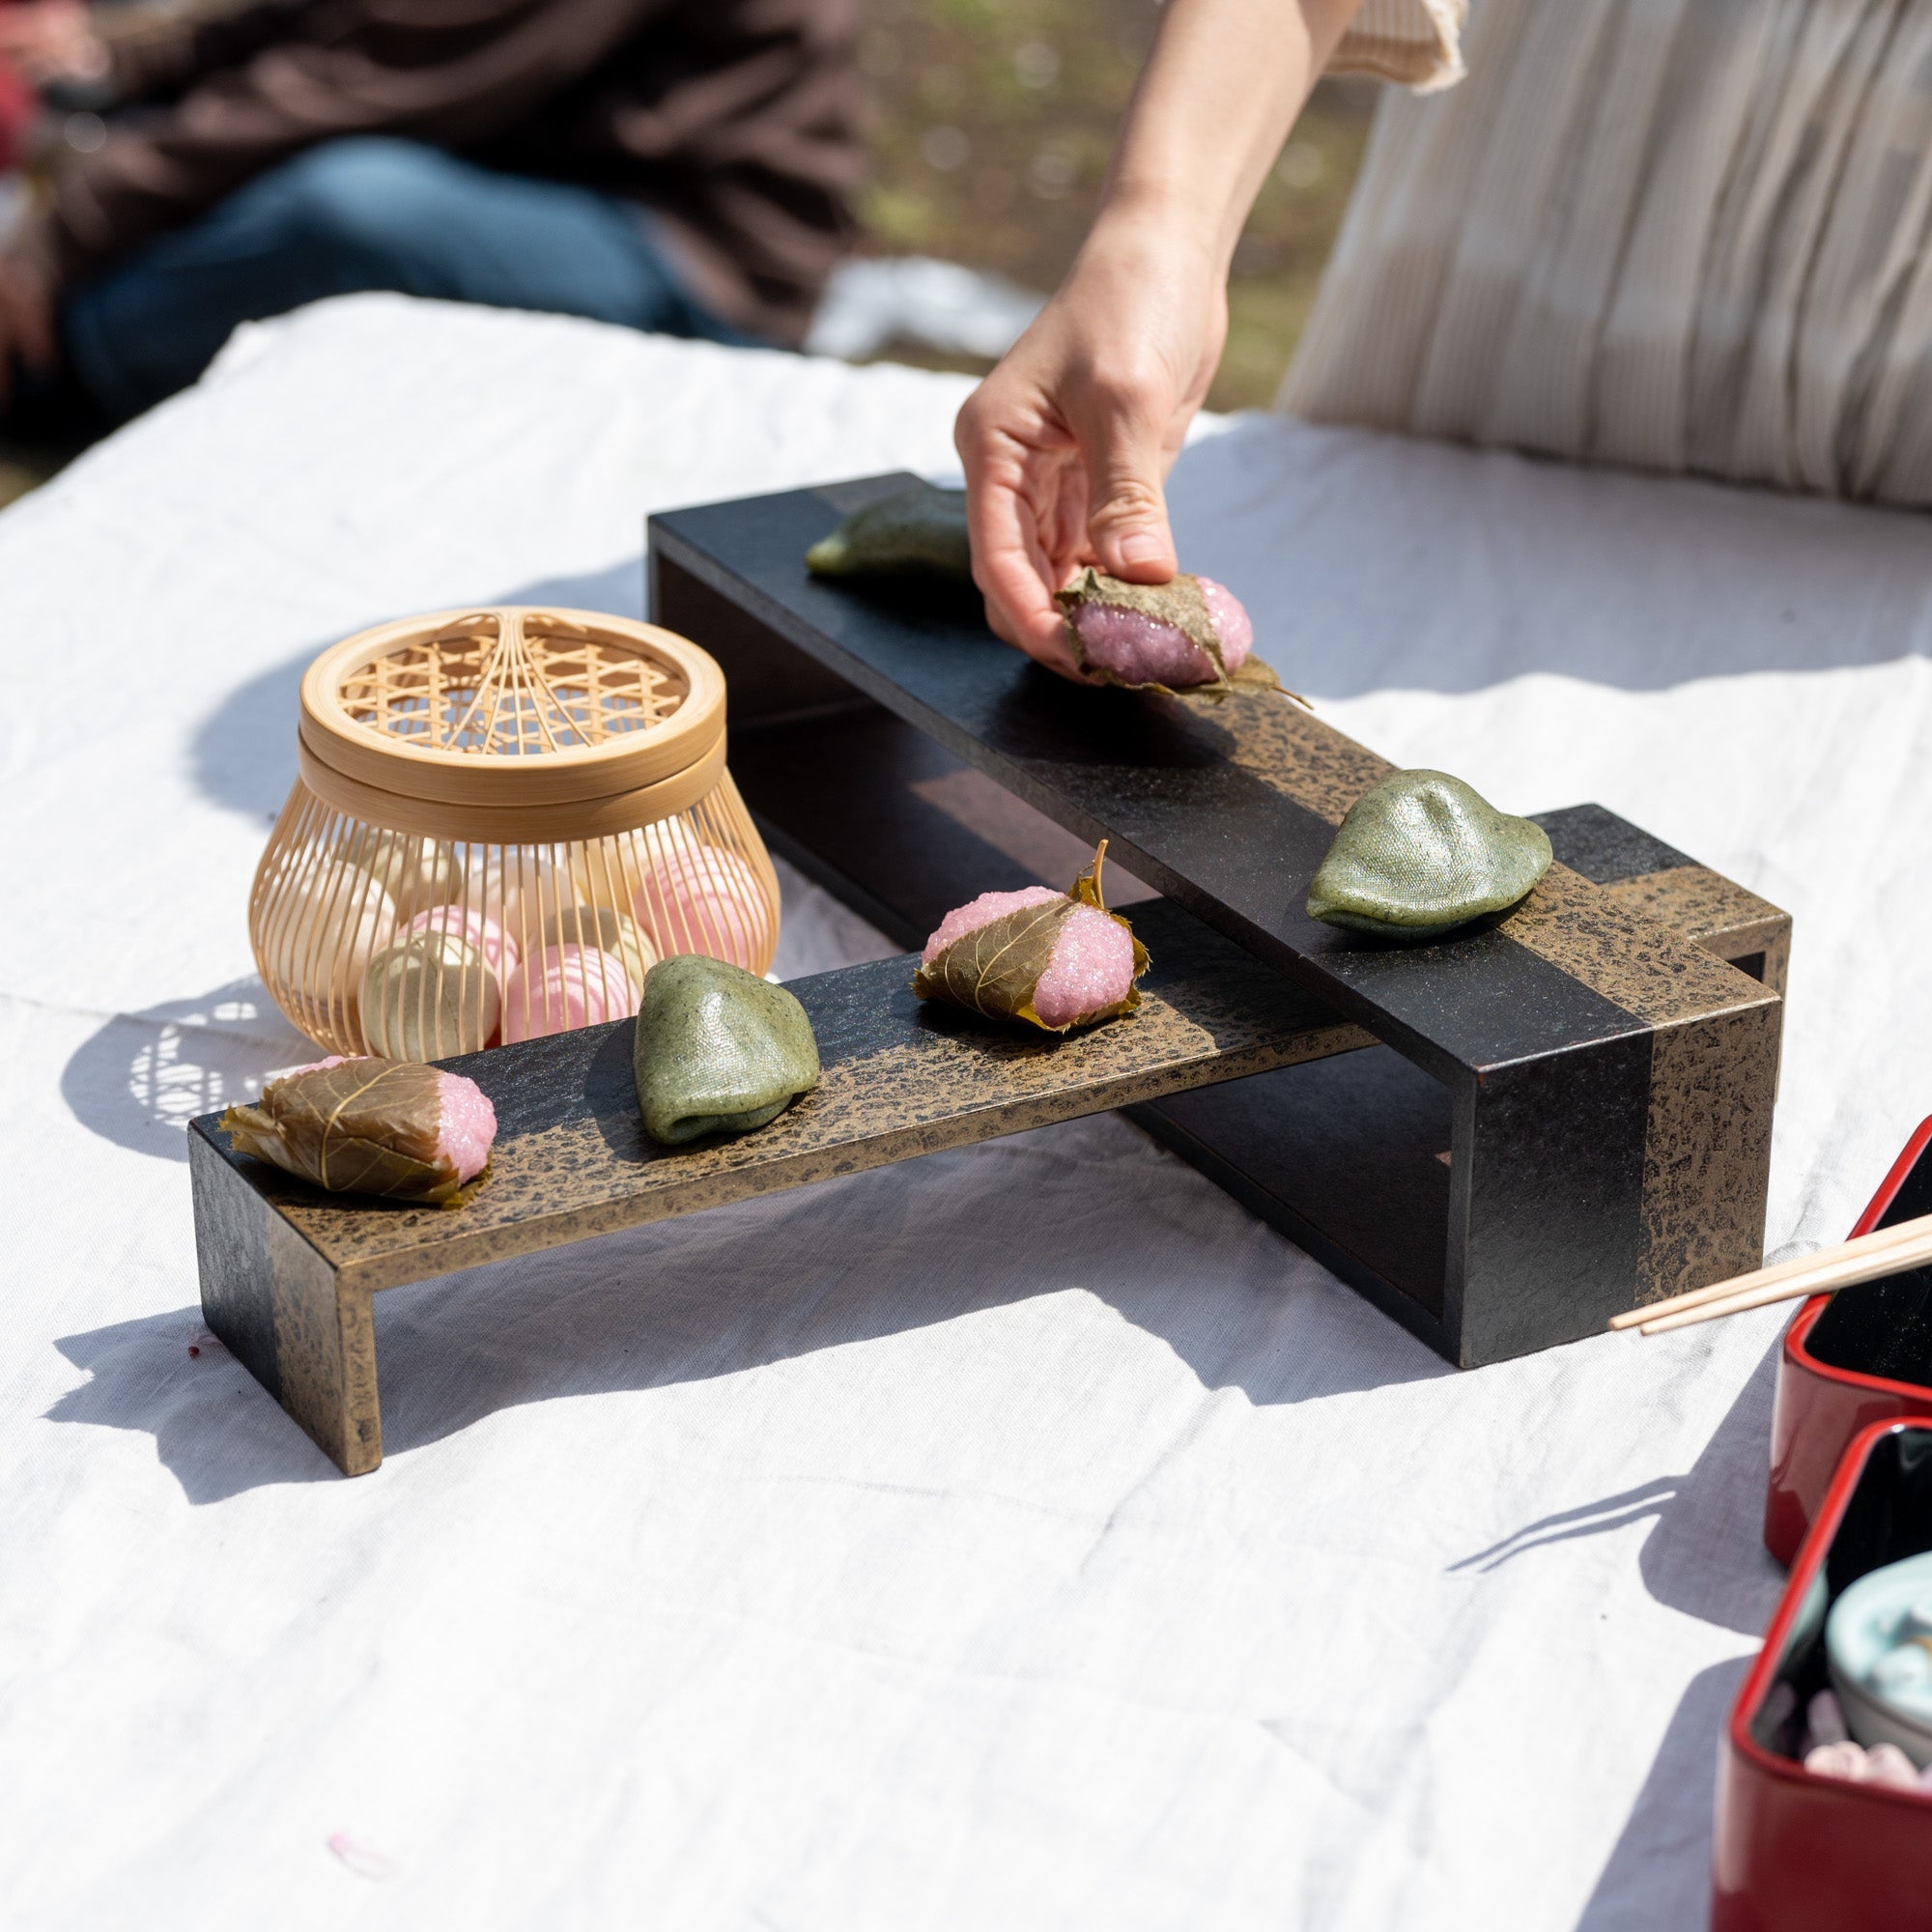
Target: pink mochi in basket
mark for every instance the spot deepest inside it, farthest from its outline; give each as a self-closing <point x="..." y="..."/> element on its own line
<point x="566" y="986"/>
<point x="497" y="947"/>
<point x="704" y="899"/>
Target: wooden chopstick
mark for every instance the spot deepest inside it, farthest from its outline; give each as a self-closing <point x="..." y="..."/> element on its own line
<point x="1883" y="1251"/>
<point x="1801" y="1265"/>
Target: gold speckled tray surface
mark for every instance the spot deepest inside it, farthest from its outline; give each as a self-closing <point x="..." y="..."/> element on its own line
<point x="902" y="1077"/>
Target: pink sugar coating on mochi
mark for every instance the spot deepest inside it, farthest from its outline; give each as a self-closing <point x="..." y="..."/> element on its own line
<point x="497" y="947"/>
<point x="466" y="1125"/>
<point x="1139" y="648"/>
<point x="705" y="901"/>
<point x="982" y="911"/>
<point x="565" y="987"/>
<point x="1092" y="967"/>
<point x="1232" y="623"/>
<point x="322" y="1065"/>
<point x="1142" y="650"/>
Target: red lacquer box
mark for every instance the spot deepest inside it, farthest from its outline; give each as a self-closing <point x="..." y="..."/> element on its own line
<point x="1793" y="1852"/>
<point x="1849" y="1362"/>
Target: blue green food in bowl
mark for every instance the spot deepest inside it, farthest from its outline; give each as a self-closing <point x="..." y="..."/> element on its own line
<point x="1878" y="1645"/>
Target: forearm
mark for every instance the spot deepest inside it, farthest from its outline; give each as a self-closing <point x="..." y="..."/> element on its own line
<point x="1217" y="98"/>
<point x="1067" y="443"/>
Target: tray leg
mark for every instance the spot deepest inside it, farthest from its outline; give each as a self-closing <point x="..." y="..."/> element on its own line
<point x="305" y="1335"/>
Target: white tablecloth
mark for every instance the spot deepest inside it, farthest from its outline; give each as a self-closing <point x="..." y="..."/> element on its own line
<point x="1019" y="1538"/>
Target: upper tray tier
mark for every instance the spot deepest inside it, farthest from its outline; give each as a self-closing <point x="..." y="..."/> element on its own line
<point x="1227" y="809"/>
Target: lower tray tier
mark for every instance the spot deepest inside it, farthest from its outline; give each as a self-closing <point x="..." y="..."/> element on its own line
<point x="287" y="1271"/>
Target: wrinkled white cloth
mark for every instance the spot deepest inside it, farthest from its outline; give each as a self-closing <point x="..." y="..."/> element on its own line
<point x="1024" y="1537"/>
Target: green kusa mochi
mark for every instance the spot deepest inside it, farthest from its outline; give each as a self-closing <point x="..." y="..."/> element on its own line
<point x="718" y="1050"/>
<point x="914" y="532"/>
<point x="1421" y="854"/>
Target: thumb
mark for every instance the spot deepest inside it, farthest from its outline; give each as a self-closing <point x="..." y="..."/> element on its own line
<point x="1126" y="515"/>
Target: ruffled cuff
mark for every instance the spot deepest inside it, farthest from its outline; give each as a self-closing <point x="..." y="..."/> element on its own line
<point x="1417" y="44"/>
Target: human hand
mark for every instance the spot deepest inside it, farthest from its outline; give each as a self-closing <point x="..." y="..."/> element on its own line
<point x="1067" y="443"/>
<point x="26" y="322"/>
<point x="49" y="41"/>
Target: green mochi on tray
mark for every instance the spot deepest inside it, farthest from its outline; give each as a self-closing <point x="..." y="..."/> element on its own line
<point x="916" y="532"/>
<point x="718" y="1050"/>
<point x="1422" y="853"/>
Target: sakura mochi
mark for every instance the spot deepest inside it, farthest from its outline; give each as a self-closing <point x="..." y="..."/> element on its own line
<point x="705" y="900"/>
<point x="563" y="988"/>
<point x="1187" y="634"/>
<point x="1055" y="961"/>
<point x="371" y="1126"/>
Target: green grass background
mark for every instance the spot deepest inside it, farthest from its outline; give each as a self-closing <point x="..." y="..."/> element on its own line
<point x="989" y="125"/>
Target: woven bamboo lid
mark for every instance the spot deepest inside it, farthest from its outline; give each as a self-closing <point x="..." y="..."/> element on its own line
<point x="512" y="725"/>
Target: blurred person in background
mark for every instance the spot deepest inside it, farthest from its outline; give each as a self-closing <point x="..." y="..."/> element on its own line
<point x="674" y="166"/>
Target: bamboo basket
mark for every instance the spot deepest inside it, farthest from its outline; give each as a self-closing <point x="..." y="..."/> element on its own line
<point x="502" y="818"/>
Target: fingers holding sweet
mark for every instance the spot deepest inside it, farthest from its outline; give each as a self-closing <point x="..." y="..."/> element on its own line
<point x="1121" y="424"/>
<point x="1018" y="479"/>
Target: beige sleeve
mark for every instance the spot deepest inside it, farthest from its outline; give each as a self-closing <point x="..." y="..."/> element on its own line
<point x="1417" y="43"/>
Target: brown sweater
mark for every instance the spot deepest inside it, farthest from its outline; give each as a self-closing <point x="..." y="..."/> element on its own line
<point x="733" y="121"/>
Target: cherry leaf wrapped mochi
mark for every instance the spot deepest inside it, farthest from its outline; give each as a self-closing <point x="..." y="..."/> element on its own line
<point x="1188" y="633"/>
<point x="367" y="1125"/>
<point x="1055" y="961"/>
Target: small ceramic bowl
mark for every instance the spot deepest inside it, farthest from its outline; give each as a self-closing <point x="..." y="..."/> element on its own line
<point x="1882" y="1675"/>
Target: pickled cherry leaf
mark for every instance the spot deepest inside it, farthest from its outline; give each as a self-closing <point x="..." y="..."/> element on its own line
<point x="368" y="1127"/>
<point x="994" y="969"/>
<point x="1181" y="603"/>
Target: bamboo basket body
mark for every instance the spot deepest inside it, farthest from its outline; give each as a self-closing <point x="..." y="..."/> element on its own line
<point x="502" y="820"/>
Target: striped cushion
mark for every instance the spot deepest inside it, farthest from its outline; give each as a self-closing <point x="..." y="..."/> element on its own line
<point x="1684" y="235"/>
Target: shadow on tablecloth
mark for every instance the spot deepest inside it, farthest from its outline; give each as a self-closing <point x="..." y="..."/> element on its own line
<point x="1659" y="1875"/>
<point x="143" y="1076"/>
<point x="1716" y="1502"/>
<point x="927" y="1243"/>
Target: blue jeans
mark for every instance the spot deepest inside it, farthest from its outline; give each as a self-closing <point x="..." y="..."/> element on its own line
<point x="367" y="213"/>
